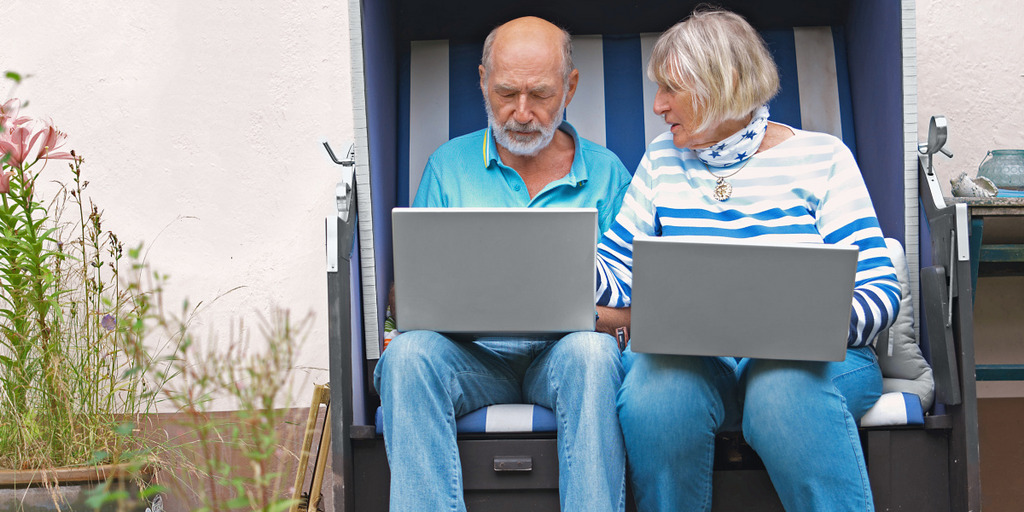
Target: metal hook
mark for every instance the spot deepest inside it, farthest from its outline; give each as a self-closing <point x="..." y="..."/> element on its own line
<point x="343" y="193"/>
<point x="936" y="141"/>
<point x="350" y="157"/>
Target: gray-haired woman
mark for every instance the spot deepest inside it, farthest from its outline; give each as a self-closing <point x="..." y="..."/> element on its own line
<point x="725" y="171"/>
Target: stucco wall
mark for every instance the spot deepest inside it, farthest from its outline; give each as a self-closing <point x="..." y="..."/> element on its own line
<point x="201" y="123"/>
<point x="971" y="69"/>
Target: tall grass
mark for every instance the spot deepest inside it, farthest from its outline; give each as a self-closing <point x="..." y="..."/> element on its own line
<point x="73" y="315"/>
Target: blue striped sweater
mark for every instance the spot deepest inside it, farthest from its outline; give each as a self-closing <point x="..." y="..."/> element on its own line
<point x="806" y="189"/>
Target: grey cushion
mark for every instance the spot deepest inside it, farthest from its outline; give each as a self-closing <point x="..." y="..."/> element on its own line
<point x="903" y="366"/>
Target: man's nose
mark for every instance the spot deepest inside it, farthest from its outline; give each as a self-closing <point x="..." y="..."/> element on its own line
<point x="522" y="113"/>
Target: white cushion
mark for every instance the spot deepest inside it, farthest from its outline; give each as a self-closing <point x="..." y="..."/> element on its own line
<point x="894" y="409"/>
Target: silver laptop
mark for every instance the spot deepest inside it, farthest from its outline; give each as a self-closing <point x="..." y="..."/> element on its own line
<point x="742" y="299"/>
<point x="495" y="271"/>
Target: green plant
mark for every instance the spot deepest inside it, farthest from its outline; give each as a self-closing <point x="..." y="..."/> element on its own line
<point x="72" y="321"/>
<point x="77" y="382"/>
<point x="235" y="460"/>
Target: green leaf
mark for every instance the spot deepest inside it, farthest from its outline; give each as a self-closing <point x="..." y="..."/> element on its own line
<point x="124" y="429"/>
<point x="11" y="75"/>
<point x="101" y="494"/>
<point x="98" y="457"/>
<point x="97" y="500"/>
<point x="238" y="502"/>
<point x="151" y="491"/>
<point x="282" y="505"/>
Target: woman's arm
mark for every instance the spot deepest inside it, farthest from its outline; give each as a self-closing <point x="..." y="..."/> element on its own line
<point x="615" y="249"/>
<point x="847" y="217"/>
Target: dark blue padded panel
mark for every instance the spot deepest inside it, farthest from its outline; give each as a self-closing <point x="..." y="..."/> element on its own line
<point x="624" y="98"/>
<point x="464" y="96"/>
<point x="874" y="39"/>
<point x="381" y="89"/>
<point x="785" y="107"/>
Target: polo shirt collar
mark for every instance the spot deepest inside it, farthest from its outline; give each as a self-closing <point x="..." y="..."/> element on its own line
<point x="578" y="172"/>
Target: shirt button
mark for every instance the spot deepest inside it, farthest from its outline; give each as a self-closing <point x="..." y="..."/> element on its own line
<point x="517" y="188"/>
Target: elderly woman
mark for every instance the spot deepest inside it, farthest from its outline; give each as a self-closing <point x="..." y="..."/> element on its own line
<point x="725" y="170"/>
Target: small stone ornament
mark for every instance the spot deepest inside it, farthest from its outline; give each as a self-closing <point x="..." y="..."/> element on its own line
<point x="965" y="186"/>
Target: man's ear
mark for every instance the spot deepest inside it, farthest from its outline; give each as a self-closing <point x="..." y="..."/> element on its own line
<point x="483" y="86"/>
<point x="574" y="80"/>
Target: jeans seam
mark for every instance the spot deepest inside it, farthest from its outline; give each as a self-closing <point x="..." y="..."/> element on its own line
<point x="854" y="436"/>
<point x="456" y="488"/>
<point x="457" y="398"/>
<point x="562" y="423"/>
<point x="869" y="364"/>
<point x="865" y="484"/>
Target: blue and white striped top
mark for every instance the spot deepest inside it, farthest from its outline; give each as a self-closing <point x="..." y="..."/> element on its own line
<point x="806" y="189"/>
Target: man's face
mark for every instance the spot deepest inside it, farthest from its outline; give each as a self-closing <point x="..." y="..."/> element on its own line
<point x="525" y="97"/>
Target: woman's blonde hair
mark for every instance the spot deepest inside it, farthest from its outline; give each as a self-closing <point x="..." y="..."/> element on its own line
<point x="719" y="59"/>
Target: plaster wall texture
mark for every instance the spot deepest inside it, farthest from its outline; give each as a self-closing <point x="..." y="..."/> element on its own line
<point x="200" y="123"/>
<point x="970" y="67"/>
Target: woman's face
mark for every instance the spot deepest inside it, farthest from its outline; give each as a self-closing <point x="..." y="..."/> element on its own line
<point x="676" y="107"/>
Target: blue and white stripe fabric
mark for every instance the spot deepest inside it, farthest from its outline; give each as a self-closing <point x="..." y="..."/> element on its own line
<point x="894" y="408"/>
<point x="440" y="99"/>
<point x="505" y="418"/>
<point x="806" y="189"/>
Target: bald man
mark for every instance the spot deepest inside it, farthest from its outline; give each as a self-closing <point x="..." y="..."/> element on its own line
<point x="528" y="156"/>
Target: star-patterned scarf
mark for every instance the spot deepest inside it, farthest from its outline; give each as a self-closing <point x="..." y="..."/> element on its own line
<point x="740" y="145"/>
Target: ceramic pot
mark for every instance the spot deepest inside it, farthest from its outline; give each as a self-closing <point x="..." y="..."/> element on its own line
<point x="25" y="491"/>
<point x="1005" y="168"/>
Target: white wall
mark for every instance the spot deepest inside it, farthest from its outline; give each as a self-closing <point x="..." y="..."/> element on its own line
<point x="971" y="69"/>
<point x="201" y="123"/>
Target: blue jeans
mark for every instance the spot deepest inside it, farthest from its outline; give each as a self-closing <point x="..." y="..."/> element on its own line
<point x="426" y="380"/>
<point x="799" y="416"/>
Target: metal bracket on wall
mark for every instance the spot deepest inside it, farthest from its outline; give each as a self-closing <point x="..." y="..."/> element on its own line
<point x="344" y="198"/>
<point x="936" y="141"/>
<point x="343" y="192"/>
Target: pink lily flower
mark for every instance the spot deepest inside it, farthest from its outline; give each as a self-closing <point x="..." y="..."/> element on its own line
<point x="52" y="139"/>
<point x="5" y="181"/>
<point x="19" y="140"/>
<point x="9" y="110"/>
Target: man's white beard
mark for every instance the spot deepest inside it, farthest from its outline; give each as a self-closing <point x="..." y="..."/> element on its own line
<point x="517" y="144"/>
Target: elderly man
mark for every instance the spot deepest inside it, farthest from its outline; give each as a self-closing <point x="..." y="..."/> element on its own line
<point x="527" y="157"/>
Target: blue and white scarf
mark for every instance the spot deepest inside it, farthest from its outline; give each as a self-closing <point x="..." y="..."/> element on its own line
<point x="740" y="145"/>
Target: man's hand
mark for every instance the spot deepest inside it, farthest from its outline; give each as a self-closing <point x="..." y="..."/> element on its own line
<point x="609" y="319"/>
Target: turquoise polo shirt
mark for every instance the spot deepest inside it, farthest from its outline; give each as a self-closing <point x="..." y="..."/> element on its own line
<point x="468" y="172"/>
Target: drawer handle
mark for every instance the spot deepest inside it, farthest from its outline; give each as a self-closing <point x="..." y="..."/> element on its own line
<point x="514" y="463"/>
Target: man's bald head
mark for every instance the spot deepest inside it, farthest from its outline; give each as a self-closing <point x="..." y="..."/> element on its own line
<point x="533" y="31"/>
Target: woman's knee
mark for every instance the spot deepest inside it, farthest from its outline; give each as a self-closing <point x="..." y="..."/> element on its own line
<point x="669" y="389"/>
<point x="781" y="396"/>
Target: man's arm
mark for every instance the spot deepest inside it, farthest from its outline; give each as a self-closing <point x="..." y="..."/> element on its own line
<point x="610" y="319"/>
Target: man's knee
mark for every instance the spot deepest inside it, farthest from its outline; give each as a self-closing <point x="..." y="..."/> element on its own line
<point x="586" y="349"/>
<point x="408" y="354"/>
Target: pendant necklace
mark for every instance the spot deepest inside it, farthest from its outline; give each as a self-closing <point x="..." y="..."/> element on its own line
<point x="723" y="190"/>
